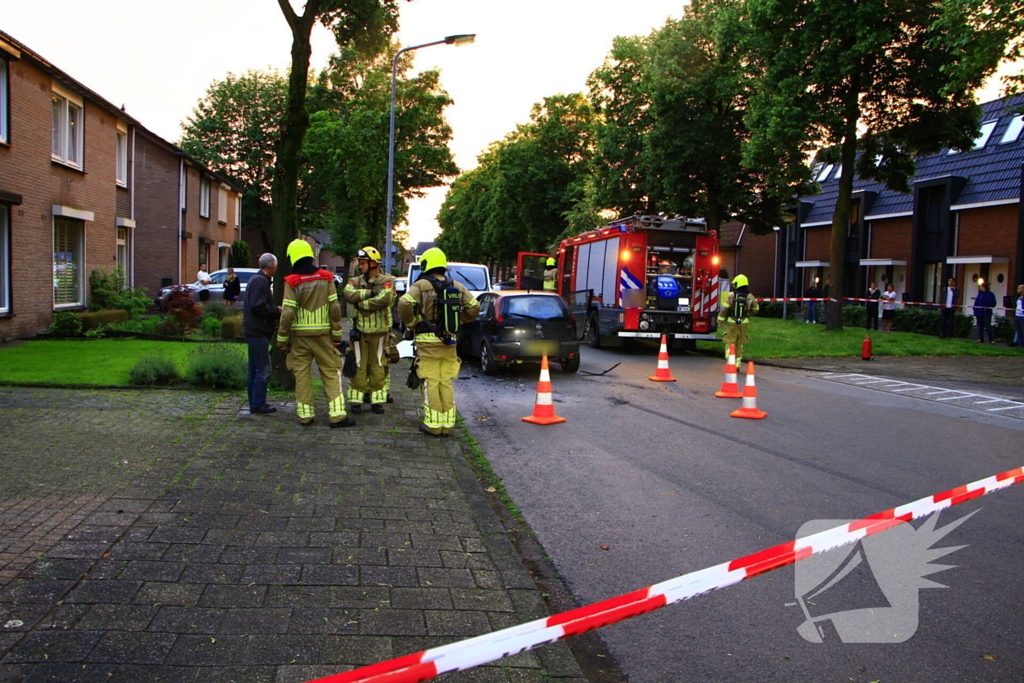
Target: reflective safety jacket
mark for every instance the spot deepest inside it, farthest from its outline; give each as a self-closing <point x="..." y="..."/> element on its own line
<point x="372" y="299"/>
<point x="551" y="280"/>
<point x="737" y="310"/>
<point x="310" y="307"/>
<point x="419" y="304"/>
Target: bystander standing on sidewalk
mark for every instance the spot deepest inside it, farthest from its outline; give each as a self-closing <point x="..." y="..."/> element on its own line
<point x="950" y="301"/>
<point x="259" y="320"/>
<point x="1018" y="317"/>
<point x="871" y="309"/>
<point x="813" y="293"/>
<point x="888" y="308"/>
<point x="983" y="305"/>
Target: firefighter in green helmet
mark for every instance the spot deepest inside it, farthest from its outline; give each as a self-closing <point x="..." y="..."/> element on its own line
<point x="311" y="330"/>
<point x="550" y="275"/>
<point x="737" y="307"/>
<point x="371" y="295"/>
<point x="423" y="310"/>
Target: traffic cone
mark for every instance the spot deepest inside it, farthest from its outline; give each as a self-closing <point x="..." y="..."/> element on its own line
<point x="730" y="387"/>
<point x="663" y="374"/>
<point x="544" y="408"/>
<point x="749" y="408"/>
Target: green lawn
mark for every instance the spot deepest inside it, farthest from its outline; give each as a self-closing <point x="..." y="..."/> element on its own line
<point x="86" y="361"/>
<point x="776" y="338"/>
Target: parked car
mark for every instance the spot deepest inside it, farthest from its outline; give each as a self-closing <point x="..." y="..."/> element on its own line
<point x="519" y="326"/>
<point x="216" y="287"/>
<point x="475" y="276"/>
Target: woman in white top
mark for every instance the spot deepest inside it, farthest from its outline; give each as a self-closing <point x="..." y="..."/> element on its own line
<point x="888" y="308"/>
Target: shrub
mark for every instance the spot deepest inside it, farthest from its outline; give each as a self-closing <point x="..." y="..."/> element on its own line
<point x="153" y="370"/>
<point x="1003" y="328"/>
<point x="854" y="316"/>
<point x="94" y="320"/>
<point x="217" y="366"/>
<point x="773" y="309"/>
<point x="217" y="309"/>
<point x="147" y="325"/>
<point x="209" y="326"/>
<point x="231" y="327"/>
<point x="929" y="321"/>
<point x="240" y="257"/>
<point x="66" y="324"/>
<point x="111" y="291"/>
<point x="183" y="311"/>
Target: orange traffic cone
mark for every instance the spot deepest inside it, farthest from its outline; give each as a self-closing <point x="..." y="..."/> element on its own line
<point x="663" y="374"/>
<point x="730" y="387"/>
<point x="544" y="408"/>
<point x="749" y="408"/>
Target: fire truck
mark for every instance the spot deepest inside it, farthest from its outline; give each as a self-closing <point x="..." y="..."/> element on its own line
<point x="638" y="277"/>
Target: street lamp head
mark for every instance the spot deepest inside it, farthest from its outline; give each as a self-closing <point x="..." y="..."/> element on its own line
<point x="462" y="39"/>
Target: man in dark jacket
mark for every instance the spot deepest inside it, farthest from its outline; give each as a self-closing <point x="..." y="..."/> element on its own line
<point x="949" y="302"/>
<point x="259" y="323"/>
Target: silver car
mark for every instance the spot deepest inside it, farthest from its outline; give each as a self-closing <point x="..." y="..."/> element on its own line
<point x="216" y="287"/>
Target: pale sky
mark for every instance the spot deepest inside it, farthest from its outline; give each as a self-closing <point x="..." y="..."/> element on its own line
<point x="158" y="58"/>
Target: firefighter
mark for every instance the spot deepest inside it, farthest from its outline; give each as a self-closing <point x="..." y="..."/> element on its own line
<point x="436" y="360"/>
<point x="735" y="314"/>
<point x="550" y="275"/>
<point x="311" y="330"/>
<point x="371" y="294"/>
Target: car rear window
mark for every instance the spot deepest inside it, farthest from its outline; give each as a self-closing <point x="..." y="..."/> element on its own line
<point x="473" y="277"/>
<point x="536" y="307"/>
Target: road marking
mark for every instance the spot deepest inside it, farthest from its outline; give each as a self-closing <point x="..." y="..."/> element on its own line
<point x="928" y="393"/>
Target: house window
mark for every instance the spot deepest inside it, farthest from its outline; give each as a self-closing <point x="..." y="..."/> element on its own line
<point x="204" y="197"/>
<point x="68" y="255"/>
<point x="222" y="205"/>
<point x="982" y="139"/>
<point x="122" y="158"/>
<point x="123" y="251"/>
<point x="5" y="261"/>
<point x="4" y="126"/>
<point x="823" y="172"/>
<point x="1013" y="129"/>
<point x="68" y="125"/>
<point x="238" y="210"/>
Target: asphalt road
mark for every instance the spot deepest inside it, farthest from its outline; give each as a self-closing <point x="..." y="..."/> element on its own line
<point x="647" y="481"/>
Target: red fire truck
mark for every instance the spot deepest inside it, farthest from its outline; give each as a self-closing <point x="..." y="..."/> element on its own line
<point x="638" y="277"/>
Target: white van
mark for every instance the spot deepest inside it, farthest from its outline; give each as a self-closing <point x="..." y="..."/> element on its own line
<point x="475" y="276"/>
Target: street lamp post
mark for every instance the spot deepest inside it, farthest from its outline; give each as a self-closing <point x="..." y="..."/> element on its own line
<point x="462" y="39"/>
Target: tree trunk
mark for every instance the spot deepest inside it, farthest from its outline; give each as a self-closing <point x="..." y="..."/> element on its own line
<point x="284" y="192"/>
<point x="841" y="216"/>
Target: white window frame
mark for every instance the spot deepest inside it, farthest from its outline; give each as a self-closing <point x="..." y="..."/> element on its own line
<point x="67" y="127"/>
<point x="204" y="196"/>
<point x="61" y="241"/>
<point x="5" y="126"/>
<point x="5" y="259"/>
<point x="222" y="205"/>
<point x="121" y="148"/>
<point x="124" y="253"/>
<point x="1012" y="132"/>
<point x="238" y="210"/>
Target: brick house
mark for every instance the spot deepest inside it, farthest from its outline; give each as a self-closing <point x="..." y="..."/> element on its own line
<point x="77" y="196"/>
<point x="963" y="219"/>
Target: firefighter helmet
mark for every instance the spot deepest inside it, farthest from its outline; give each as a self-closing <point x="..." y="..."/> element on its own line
<point x="740" y="281"/>
<point x="433" y="258"/>
<point x="369" y="253"/>
<point x="550" y="263"/>
<point x="299" y="249"/>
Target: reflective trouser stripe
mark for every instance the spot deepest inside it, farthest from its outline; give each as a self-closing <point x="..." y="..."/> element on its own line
<point x="304" y="351"/>
<point x="371" y="363"/>
<point x="438" y="393"/>
<point x="381" y="395"/>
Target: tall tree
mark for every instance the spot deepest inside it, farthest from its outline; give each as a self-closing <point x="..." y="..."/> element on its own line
<point x="887" y="78"/>
<point x="233" y="129"/>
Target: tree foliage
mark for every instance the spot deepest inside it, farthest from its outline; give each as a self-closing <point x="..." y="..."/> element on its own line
<point x="519" y="196"/>
<point x="888" y="79"/>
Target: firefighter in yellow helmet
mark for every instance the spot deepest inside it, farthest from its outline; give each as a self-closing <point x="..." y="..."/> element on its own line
<point x="437" y="363"/>
<point x="550" y="275"/>
<point x="371" y="295"/>
<point x="737" y="307"/>
<point x="311" y="329"/>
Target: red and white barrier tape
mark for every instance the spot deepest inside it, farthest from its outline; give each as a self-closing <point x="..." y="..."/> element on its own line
<point x="879" y="301"/>
<point x="465" y="654"/>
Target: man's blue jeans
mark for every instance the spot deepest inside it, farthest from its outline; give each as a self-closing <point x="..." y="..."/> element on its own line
<point x="812" y="312"/>
<point x="259" y="370"/>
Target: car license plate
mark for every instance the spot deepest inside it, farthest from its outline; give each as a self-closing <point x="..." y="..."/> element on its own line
<point x="540" y="348"/>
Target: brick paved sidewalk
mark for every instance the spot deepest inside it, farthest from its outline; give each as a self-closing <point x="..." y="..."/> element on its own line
<point x="168" y="536"/>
